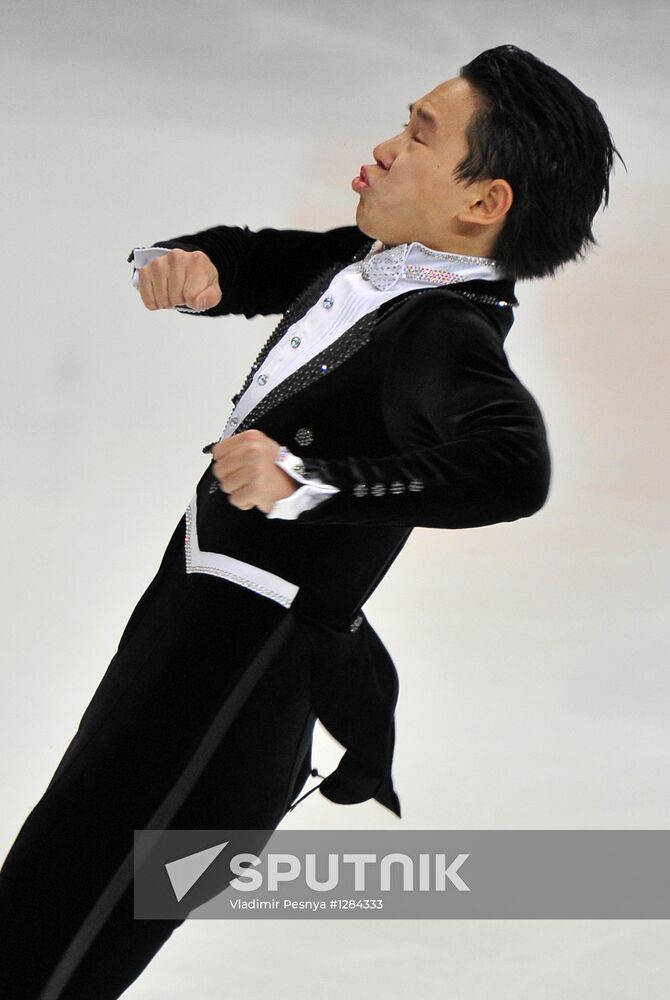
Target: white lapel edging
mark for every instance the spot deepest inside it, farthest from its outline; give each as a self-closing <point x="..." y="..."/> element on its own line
<point x="244" y="574"/>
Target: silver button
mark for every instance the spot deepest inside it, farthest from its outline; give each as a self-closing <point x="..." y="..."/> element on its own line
<point x="360" y="490"/>
<point x="356" y="623"/>
<point x="397" y="487"/>
<point x="304" y="435"/>
<point x="234" y="420"/>
<point x="378" y="490"/>
<point x="262" y="379"/>
<point x="295" y="341"/>
<point x="299" y="467"/>
<point x="328" y="302"/>
<point x="415" y="485"/>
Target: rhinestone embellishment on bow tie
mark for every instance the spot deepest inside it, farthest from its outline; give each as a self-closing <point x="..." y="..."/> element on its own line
<point x="383" y="269"/>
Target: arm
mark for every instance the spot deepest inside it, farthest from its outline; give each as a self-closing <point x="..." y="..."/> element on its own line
<point x="471" y="442"/>
<point x="262" y="272"/>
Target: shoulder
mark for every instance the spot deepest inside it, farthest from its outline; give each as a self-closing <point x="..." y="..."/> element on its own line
<point x="436" y="326"/>
<point x="443" y="351"/>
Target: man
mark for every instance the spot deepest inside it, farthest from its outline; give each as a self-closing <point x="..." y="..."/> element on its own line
<point x="382" y="401"/>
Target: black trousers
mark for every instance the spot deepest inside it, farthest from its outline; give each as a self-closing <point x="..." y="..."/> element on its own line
<point x="187" y="643"/>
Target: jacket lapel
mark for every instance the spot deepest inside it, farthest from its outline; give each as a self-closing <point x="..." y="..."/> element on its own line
<point x="356" y="337"/>
<point x="297" y="310"/>
<point x="346" y="345"/>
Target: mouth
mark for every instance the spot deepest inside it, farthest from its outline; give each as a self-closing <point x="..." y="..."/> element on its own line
<point x="362" y="182"/>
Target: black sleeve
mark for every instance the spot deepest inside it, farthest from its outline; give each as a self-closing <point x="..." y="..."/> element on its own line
<point x="261" y="273"/>
<point x="471" y="442"/>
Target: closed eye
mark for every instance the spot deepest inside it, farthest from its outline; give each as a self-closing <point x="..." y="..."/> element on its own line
<point x="406" y="125"/>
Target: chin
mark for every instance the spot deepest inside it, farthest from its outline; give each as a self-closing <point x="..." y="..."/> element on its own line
<point x="375" y="227"/>
<point x="361" y="222"/>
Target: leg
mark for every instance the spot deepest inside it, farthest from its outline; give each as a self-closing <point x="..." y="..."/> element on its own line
<point x="260" y="767"/>
<point x="187" y="641"/>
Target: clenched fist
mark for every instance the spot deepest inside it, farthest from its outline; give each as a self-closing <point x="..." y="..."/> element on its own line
<point x="180" y="277"/>
<point x="245" y="466"/>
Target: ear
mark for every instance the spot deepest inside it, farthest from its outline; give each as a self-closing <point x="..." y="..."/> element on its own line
<point x="490" y="202"/>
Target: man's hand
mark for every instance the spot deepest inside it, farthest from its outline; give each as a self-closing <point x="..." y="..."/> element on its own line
<point x="180" y="277"/>
<point x="245" y="466"/>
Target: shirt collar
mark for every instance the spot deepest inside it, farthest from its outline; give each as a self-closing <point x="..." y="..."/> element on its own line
<point x="384" y="266"/>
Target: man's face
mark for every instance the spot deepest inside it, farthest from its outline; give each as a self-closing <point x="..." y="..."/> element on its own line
<point x="412" y="194"/>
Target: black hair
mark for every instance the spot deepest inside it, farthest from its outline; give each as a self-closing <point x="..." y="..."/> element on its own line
<point x="535" y="129"/>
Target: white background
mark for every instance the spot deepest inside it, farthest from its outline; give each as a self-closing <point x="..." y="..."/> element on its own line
<point x="533" y="655"/>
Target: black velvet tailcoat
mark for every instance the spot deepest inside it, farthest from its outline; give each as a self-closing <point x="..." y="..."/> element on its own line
<point x="417" y="418"/>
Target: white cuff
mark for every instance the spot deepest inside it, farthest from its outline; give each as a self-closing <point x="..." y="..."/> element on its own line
<point x="313" y="492"/>
<point x="144" y="255"/>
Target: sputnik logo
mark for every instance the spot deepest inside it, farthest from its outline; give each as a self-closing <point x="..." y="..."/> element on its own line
<point x="185" y="872"/>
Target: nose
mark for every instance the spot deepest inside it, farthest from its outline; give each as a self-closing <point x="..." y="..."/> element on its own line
<point x="385" y="152"/>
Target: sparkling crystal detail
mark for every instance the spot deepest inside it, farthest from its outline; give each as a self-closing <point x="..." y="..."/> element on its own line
<point x="295" y="342"/>
<point x="329" y="302"/>
<point x="304" y="435"/>
<point x="262" y="379"/>
<point x="356" y="623"/>
<point x="307" y="298"/>
<point x="421" y="272"/>
<point x="242" y="581"/>
<point x="385" y="268"/>
<point x="458" y="258"/>
<point x="377" y="250"/>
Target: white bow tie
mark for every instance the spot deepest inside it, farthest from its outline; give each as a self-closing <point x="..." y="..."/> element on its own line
<point x="384" y="268"/>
